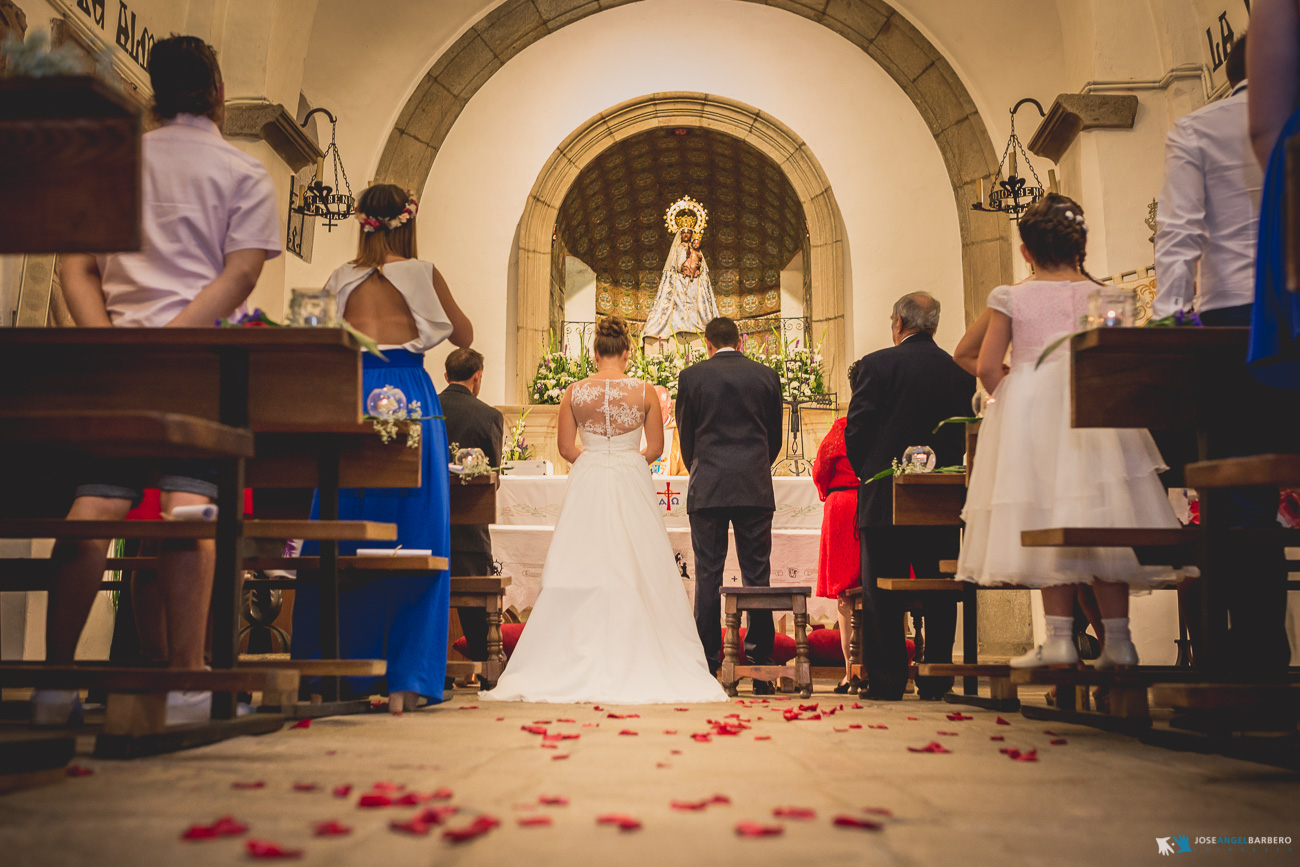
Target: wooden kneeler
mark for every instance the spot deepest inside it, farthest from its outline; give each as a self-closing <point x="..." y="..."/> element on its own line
<point x="738" y="599"/>
<point x="489" y="594"/>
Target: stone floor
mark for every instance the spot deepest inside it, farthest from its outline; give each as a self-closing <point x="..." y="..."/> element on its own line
<point x="1092" y="798"/>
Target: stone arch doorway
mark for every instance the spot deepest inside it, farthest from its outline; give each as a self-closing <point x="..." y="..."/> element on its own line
<point x="874" y="26"/>
<point x="671" y="110"/>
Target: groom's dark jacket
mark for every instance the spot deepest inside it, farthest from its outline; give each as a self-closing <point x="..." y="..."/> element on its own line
<point x="899" y="395"/>
<point x="729" y="420"/>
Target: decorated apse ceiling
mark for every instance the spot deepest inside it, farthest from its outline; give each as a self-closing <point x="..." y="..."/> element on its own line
<point x="613" y="219"/>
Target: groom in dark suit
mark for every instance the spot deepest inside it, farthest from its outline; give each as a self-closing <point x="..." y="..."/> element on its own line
<point x="899" y="395"/>
<point x="729" y="419"/>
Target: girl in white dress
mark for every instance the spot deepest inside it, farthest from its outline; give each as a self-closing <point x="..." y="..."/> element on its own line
<point x="613" y="622"/>
<point x="1035" y="471"/>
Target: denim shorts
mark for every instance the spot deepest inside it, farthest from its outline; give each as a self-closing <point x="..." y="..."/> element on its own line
<point x="127" y="479"/>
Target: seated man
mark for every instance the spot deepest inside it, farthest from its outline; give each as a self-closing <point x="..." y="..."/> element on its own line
<point x="209" y="222"/>
<point x="471" y="423"/>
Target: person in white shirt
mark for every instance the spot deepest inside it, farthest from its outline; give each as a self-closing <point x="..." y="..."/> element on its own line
<point x="1209" y="209"/>
<point x="209" y="221"/>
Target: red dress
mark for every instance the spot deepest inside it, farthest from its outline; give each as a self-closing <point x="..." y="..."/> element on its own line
<point x="839" y="559"/>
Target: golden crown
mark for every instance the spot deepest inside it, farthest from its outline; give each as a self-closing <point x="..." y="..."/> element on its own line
<point x="686" y="213"/>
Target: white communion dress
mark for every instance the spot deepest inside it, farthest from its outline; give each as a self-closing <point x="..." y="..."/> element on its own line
<point x="612" y="623"/>
<point x="1032" y="470"/>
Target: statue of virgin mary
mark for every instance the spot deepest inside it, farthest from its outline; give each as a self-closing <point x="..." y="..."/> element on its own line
<point x="684" y="302"/>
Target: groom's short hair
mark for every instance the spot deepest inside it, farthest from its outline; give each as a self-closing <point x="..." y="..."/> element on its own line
<point x="722" y="333"/>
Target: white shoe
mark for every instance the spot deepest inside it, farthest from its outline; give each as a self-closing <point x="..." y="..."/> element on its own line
<point x="1055" y="651"/>
<point x="187" y="707"/>
<point x="56" y="707"/>
<point x="1117" y="654"/>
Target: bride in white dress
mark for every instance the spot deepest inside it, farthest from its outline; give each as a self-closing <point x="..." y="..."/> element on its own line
<point x="612" y="623"/>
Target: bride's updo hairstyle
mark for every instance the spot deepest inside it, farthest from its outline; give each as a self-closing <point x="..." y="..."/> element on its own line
<point x="611" y="337"/>
<point x="1055" y="233"/>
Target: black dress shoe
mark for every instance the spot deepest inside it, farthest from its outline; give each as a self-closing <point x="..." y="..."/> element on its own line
<point x="880" y="695"/>
<point x="764" y="687"/>
<point x="932" y="696"/>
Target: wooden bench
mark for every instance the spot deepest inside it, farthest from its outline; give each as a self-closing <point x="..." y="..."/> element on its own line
<point x="1256" y="470"/>
<point x="123" y="434"/>
<point x="488" y="593"/>
<point x="1129" y="709"/>
<point x="1002" y="692"/>
<point x="135" y="719"/>
<point x="738" y="599"/>
<point x="929" y="499"/>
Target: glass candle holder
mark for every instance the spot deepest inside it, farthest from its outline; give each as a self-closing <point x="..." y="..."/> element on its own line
<point x="918" y="459"/>
<point x="1112" y="307"/>
<point x="471" y="458"/>
<point x="314" y="308"/>
<point x="386" y="402"/>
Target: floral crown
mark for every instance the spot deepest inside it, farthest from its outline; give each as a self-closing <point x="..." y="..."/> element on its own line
<point x="374" y="224"/>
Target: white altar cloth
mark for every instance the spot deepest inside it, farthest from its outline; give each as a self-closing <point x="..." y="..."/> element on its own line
<point x="528" y="506"/>
<point x="535" y="501"/>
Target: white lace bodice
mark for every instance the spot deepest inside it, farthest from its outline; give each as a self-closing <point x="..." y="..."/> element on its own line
<point x="609" y="407"/>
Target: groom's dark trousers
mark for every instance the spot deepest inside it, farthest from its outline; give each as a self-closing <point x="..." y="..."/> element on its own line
<point x="730" y="422"/>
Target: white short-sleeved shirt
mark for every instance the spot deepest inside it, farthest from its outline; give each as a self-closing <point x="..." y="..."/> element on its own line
<point x="202" y="198"/>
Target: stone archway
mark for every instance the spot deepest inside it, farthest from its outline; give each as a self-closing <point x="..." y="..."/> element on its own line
<point x="767" y="134"/>
<point x="872" y="25"/>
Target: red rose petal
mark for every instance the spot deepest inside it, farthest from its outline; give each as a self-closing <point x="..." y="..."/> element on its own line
<point x="79" y="771"/>
<point x="225" y="826"/>
<point x="627" y="732"/>
<point x="878" y="727"/>
<point x="857" y="706"/>
<point x="702" y="737"/>
<point x="855" y="726"/>
<point x="670" y="731"/>
<point x="662" y="765"/>
<point x="383" y="786"/>
<point x="436" y="815"/>
<point x="597" y="707"/>
<point x="541" y="722"/>
<point x="947" y="734"/>
<point x="374" y="799"/>
<point x="501" y="719"/>
<point x="1000" y="721"/>
<point x="721" y="800"/>
<point x="570" y="736"/>
<point x="342" y="791"/>
<point x="534" y="730"/>
<point x="931" y="747"/>
<point x="794" y="813"/>
<point x="415" y="826"/>
<point x="623" y="821"/>
<point x="838" y="729"/>
<point x="300" y="724"/>
<point x="1050" y="733"/>
<point x="623" y="716"/>
<point x="477" y="828"/>
<point x="790" y="714"/>
<point x="959" y="717"/>
<point x="1059" y="742"/>
<point x="762" y="737"/>
<point x="757" y="829"/>
<point x="553" y="800"/>
<point x="534" y="821"/>
<point x="566" y="720"/>
<point x="879" y="811"/>
<point x="690" y="806"/>
<point x="681" y="709"/>
<point x="305" y="787"/>
<point x="412" y="799"/>
<point x="559" y="756"/>
<point x="812" y="706"/>
<point x="331" y="829"/>
<point x="258" y="784"/>
<point x="912" y="718"/>
<point x="997" y="738"/>
<point x="856" y="822"/>
<point x="270" y="850"/>
<point x="675" y="752"/>
<point x="469" y="707"/>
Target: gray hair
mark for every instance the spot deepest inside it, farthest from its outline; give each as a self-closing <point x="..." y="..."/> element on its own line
<point x="917" y="311"/>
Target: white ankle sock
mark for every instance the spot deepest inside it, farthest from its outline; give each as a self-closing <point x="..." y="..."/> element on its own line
<point x="1116" y="629"/>
<point x="1060" y="628"/>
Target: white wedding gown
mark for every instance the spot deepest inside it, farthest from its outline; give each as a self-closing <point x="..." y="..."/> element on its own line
<point x="612" y="623"/>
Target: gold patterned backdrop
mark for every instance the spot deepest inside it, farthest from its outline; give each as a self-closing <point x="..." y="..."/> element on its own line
<point x="613" y="219"/>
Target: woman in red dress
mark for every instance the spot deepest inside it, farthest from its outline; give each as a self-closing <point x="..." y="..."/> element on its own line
<point x="839" y="558"/>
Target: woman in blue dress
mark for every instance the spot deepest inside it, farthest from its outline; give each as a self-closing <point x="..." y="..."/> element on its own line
<point x="1273" y="64"/>
<point x="406" y="306"/>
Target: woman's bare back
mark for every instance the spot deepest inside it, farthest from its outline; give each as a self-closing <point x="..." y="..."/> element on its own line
<point x="377" y="309"/>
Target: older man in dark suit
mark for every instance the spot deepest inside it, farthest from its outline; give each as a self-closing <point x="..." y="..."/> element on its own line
<point x="899" y="395"/>
<point x="729" y="420"/>
<point x="471" y="423"/>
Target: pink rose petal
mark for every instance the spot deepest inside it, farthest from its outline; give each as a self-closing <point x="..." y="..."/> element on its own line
<point x="300" y="724"/>
<point x="931" y="747"/>
<point x="331" y="829"/>
<point x="623" y="821"/>
<point x="342" y="791"/>
<point x="477" y="828"/>
<point x="757" y="829"/>
<point x="844" y="821"/>
<point x="794" y="813"/>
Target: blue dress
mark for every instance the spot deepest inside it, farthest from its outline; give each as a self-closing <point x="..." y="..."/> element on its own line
<point x="402" y="619"/>
<point x="1275" y="321"/>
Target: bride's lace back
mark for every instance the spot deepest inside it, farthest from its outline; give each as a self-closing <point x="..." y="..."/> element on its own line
<point x="609" y="407"/>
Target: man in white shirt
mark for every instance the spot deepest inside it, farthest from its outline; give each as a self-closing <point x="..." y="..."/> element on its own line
<point x="209" y="222"/>
<point x="1209" y="209"/>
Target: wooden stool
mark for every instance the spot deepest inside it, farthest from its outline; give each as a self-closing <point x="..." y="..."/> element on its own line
<point x="487" y="593"/>
<point x="738" y="599"/>
<point x="854" y="597"/>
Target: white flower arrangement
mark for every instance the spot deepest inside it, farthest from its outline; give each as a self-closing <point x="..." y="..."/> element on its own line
<point x="388" y="428"/>
<point x="516" y="447"/>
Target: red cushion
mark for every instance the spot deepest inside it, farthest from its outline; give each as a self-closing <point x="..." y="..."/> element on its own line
<point x="510" y="633"/>
<point x="782" y="647"/>
<point x="824" y="647"/>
